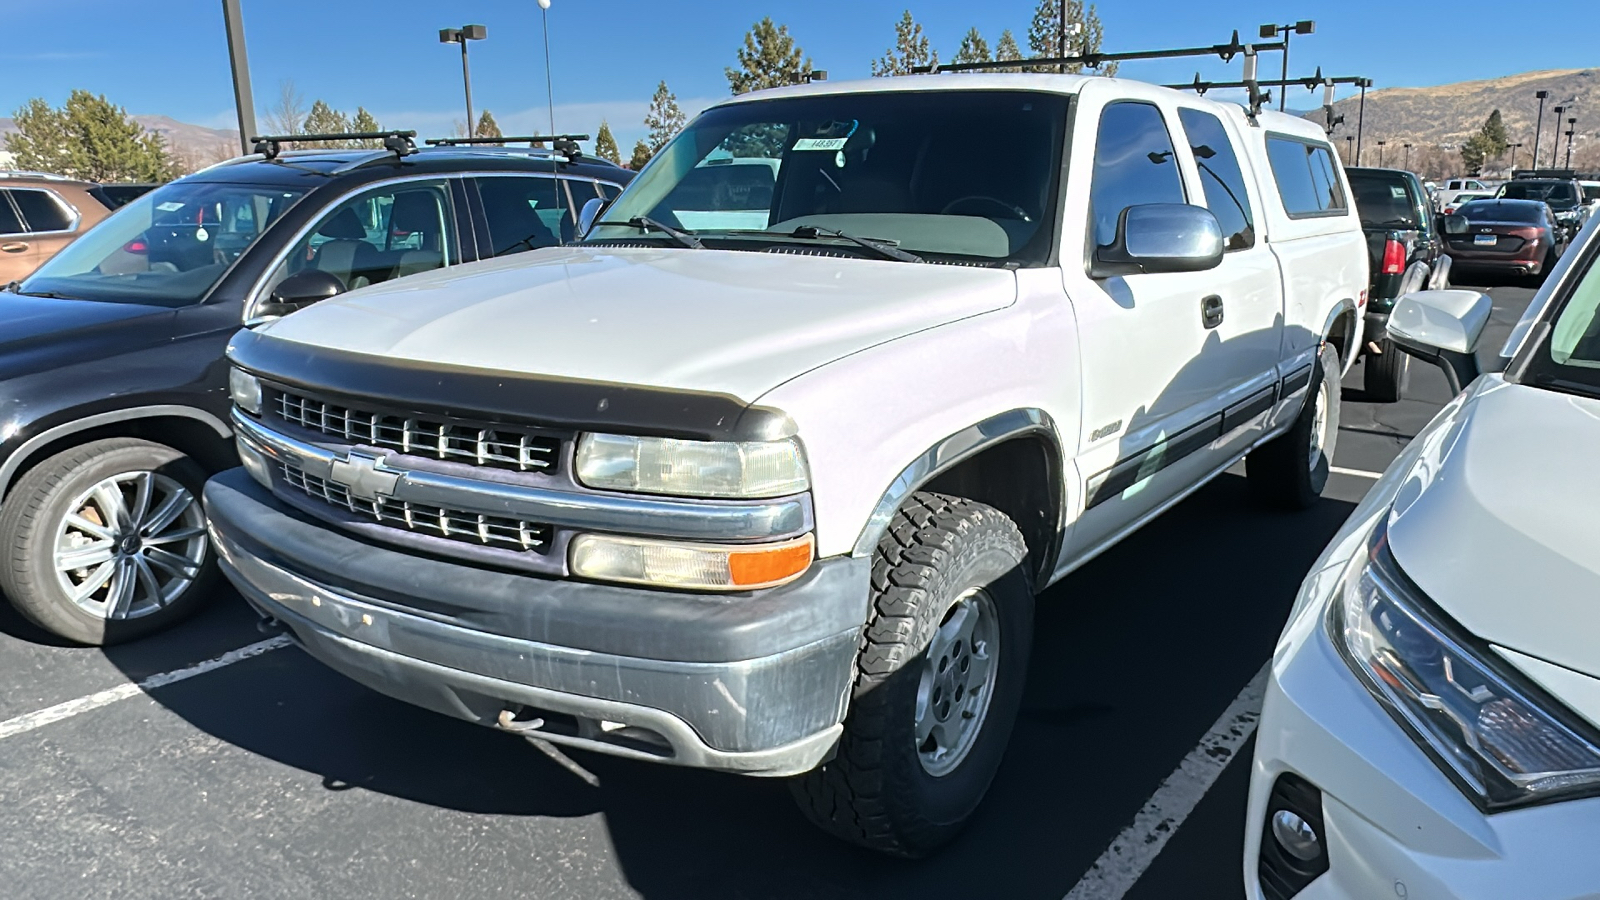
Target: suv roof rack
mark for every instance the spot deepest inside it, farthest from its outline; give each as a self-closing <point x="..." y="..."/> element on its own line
<point x="28" y="173"/>
<point x="563" y="145"/>
<point x="400" y="143"/>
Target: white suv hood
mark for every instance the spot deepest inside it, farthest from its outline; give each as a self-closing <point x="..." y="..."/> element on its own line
<point x="1499" y="523"/>
<point x="728" y="322"/>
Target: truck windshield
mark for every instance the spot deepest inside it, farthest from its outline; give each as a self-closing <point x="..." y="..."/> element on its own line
<point x="166" y="248"/>
<point x="970" y="175"/>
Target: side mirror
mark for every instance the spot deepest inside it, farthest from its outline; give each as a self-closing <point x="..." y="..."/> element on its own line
<point x="1160" y="237"/>
<point x="590" y="212"/>
<point x="1442" y="328"/>
<point x="1455" y="224"/>
<point x="297" y="292"/>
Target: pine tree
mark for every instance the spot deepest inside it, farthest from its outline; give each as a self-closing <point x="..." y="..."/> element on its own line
<point x="641" y="155"/>
<point x="910" y="51"/>
<point x="1494" y="135"/>
<point x="324" y="119"/>
<point x="1044" y="34"/>
<point x="364" y="121"/>
<point x="1474" y="154"/>
<point x="1006" y="49"/>
<point x="664" y="118"/>
<point x="89" y="138"/>
<point x="605" y="144"/>
<point x="769" y="58"/>
<point x="973" y="48"/>
<point x="489" y="128"/>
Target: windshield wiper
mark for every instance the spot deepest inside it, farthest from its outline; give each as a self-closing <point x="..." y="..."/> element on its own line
<point x="645" y="223"/>
<point x="882" y="247"/>
<point x="49" y="295"/>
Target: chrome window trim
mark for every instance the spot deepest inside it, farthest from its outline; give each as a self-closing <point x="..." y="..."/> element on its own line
<point x="601" y="512"/>
<point x="71" y="211"/>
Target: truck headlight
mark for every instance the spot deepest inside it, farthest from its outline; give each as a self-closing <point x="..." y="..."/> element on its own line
<point x="728" y="469"/>
<point x="1503" y="741"/>
<point x="674" y="564"/>
<point x="245" y="389"/>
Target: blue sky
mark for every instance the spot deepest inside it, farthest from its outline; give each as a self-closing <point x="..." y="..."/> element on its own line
<point x="169" y="56"/>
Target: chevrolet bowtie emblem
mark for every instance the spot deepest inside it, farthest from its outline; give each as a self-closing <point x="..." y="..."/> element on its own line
<point x="365" y="476"/>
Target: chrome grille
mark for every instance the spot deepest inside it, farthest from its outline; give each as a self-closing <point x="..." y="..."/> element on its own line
<point x="504" y="448"/>
<point x="455" y="524"/>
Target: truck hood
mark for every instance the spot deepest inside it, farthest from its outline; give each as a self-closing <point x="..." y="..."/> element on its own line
<point x="1495" y="523"/>
<point x="727" y="322"/>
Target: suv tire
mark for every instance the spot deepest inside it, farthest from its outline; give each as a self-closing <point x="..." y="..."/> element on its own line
<point x="946" y="567"/>
<point x="150" y="554"/>
<point x="1290" y="471"/>
<point x="1386" y="371"/>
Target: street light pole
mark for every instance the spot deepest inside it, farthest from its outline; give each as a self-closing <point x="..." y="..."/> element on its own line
<point x="461" y="36"/>
<point x="1514" y="148"/>
<point x="1361" y="115"/>
<point x="1408" y="157"/>
<point x="1538" y="129"/>
<point x="1380" y="153"/>
<point x="1572" y="127"/>
<point x="1555" y="143"/>
<point x="1304" y="26"/>
<point x="1350" y="148"/>
<point x="243" y="99"/>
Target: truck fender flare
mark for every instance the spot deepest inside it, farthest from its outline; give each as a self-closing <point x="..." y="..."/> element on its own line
<point x="8" y="469"/>
<point x="953" y="449"/>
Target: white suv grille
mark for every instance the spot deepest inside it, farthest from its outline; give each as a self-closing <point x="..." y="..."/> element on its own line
<point x="485" y="445"/>
<point x="457" y="525"/>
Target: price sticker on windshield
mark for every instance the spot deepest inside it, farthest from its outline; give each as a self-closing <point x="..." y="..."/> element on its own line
<point x="831" y="137"/>
<point x="821" y="143"/>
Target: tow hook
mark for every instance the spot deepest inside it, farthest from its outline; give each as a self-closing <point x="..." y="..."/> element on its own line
<point x="270" y="625"/>
<point x="509" y="721"/>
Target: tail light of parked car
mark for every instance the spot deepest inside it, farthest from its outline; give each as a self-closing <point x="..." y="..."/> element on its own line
<point x="1394" y="257"/>
<point x="136" y="246"/>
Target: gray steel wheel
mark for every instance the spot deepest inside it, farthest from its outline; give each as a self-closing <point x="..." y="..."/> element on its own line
<point x="953" y="694"/>
<point x="130" y="545"/>
<point x="1319" y="425"/>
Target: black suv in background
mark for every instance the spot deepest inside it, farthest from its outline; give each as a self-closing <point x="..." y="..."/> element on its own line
<point x="1559" y="188"/>
<point x="113" y="390"/>
<point x="1406" y="253"/>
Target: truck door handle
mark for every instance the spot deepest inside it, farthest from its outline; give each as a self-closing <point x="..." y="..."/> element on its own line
<point x="14" y="247"/>
<point x="1211" y="311"/>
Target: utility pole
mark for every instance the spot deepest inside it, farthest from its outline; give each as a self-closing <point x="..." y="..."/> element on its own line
<point x="1538" y="129"/>
<point x="243" y="99"/>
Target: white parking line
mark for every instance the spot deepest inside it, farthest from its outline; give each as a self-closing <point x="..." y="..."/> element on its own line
<point x="1358" y="473"/>
<point x="30" y="721"/>
<point x="1122" y="863"/>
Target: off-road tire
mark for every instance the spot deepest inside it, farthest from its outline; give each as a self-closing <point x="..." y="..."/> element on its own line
<point x="1280" y="472"/>
<point x="1386" y="373"/>
<point x="875" y="792"/>
<point x="37" y="503"/>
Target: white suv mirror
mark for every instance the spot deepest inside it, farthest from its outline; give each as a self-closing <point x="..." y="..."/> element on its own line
<point x="1442" y="327"/>
<point x="1160" y="237"/>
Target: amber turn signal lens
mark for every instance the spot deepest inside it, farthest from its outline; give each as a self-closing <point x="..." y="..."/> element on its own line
<point x="770" y="565"/>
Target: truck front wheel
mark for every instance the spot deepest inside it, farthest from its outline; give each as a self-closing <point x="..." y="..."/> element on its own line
<point x="1291" y="470"/>
<point x="939" y="679"/>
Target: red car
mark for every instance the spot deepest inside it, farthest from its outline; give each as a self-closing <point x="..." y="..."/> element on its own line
<point x="1509" y="237"/>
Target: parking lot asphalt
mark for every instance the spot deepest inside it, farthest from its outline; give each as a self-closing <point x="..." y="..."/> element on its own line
<point x="274" y="777"/>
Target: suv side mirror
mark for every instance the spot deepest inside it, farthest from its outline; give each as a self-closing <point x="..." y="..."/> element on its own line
<point x="1160" y="237"/>
<point x="590" y="212"/>
<point x="1442" y="328"/>
<point x="1454" y="224"/>
<point x="297" y="292"/>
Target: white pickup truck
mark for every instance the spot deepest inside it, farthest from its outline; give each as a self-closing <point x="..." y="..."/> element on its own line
<point x="777" y="500"/>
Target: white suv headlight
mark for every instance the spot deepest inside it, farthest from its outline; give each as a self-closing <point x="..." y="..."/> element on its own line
<point x="647" y="465"/>
<point x="1501" y="740"/>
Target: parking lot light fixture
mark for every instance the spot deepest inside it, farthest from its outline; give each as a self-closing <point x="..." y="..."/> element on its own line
<point x="1555" y="143"/>
<point x="1408" y="156"/>
<point x="1304" y="26"/>
<point x="461" y="36"/>
<point x="1380" y="153"/>
<point x="1349" y="148"/>
<point x="1572" y="128"/>
<point x="1514" y="148"/>
<point x="1538" y="128"/>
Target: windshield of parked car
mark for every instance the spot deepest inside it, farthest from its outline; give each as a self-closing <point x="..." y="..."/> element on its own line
<point x="1591" y="192"/>
<point x="1569" y="358"/>
<point x="165" y="248"/>
<point x="1559" y="194"/>
<point x="1382" y="200"/>
<point x="969" y="175"/>
<point x="1495" y="211"/>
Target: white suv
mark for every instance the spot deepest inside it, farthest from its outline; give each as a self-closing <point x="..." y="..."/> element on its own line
<point x="777" y="500"/>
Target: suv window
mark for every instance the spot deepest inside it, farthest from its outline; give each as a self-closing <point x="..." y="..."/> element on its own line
<point x="388" y="232"/>
<point x="42" y="210"/>
<point x="525" y="212"/>
<point x="9" y="223"/>
<point x="1305" y="175"/>
<point x="1134" y="164"/>
<point x="1220" y="176"/>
